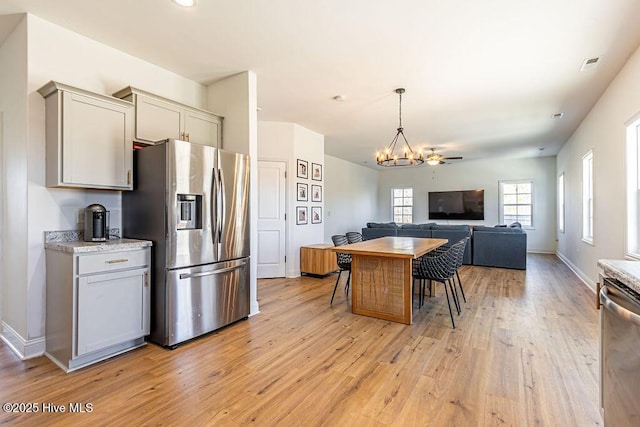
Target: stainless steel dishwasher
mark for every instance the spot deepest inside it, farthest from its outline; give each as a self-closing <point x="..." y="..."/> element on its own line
<point x="620" y="353"/>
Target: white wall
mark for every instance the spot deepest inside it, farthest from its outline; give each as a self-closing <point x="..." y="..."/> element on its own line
<point x="13" y="105"/>
<point x="289" y="142"/>
<point x="236" y="98"/>
<point x="351" y="196"/>
<point x="479" y="174"/>
<point x="603" y="130"/>
<point x="77" y="61"/>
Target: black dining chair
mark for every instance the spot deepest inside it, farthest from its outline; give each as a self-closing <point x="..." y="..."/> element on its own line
<point x="354" y="237"/>
<point x="439" y="267"/>
<point x="459" y="261"/>
<point x="460" y="249"/>
<point x="344" y="263"/>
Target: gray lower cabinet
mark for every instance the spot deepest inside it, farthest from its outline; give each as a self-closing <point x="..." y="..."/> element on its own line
<point x="97" y="304"/>
<point x="158" y="118"/>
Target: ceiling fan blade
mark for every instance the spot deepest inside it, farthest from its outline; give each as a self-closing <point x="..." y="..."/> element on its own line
<point x="452" y="158"/>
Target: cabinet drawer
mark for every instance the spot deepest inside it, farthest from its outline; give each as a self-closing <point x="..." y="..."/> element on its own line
<point x="103" y="262"/>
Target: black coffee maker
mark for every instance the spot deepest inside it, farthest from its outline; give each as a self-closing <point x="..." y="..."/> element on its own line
<point x="96" y="223"/>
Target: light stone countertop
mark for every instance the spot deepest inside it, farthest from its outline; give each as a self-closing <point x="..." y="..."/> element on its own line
<point x="71" y="241"/>
<point x="628" y="272"/>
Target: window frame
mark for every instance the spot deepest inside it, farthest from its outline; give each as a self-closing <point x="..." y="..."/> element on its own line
<point x="502" y="204"/>
<point x="393" y="205"/>
<point x="588" y="204"/>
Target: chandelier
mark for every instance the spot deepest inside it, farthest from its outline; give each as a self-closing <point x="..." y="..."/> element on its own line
<point x="389" y="157"/>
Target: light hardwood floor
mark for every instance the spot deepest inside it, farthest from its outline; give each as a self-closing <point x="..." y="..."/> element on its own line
<point x="525" y="353"/>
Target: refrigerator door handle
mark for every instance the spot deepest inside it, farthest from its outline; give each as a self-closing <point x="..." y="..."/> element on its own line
<point x="222" y="210"/>
<point x="213" y="204"/>
<point x="209" y="273"/>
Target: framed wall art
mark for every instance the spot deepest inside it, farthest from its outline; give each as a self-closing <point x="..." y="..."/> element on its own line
<point x="316" y="215"/>
<point x="301" y="215"/>
<point x="316" y="193"/>
<point x="302" y="192"/>
<point x="316" y="172"/>
<point x="303" y="169"/>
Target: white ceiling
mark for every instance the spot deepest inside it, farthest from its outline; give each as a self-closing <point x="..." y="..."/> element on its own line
<point x="482" y="78"/>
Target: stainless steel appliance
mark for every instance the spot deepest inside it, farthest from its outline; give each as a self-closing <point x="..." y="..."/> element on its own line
<point x="192" y="201"/>
<point x="620" y="354"/>
<point x="96" y="223"/>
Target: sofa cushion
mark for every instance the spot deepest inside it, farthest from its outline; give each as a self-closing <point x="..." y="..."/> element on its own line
<point x="374" y="233"/>
<point x="460" y="227"/>
<point x="382" y="225"/>
<point x="485" y="229"/>
<point x="426" y="226"/>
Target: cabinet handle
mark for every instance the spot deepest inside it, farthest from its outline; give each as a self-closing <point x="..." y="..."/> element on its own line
<point x="116" y="261"/>
<point x="187" y="137"/>
<point x="129" y="177"/>
<point x="146" y="279"/>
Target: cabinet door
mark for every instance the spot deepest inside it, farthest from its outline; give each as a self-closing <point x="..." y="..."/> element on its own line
<point x="97" y="149"/>
<point x="112" y="308"/>
<point x="203" y="128"/>
<point x="157" y="120"/>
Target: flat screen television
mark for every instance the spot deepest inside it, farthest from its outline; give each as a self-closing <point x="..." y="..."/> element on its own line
<point x="456" y="204"/>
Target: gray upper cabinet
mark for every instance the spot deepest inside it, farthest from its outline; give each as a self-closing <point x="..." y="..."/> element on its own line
<point x="89" y="139"/>
<point x="158" y="118"/>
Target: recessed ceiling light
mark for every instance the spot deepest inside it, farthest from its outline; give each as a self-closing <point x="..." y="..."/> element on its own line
<point x="340" y="98"/>
<point x="590" y="63"/>
<point x="186" y="3"/>
<point x="557" y="115"/>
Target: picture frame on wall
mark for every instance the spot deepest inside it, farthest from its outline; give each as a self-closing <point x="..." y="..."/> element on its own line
<point x="301" y="215"/>
<point x="316" y="215"/>
<point x="302" y="192"/>
<point x="316" y="193"/>
<point x="316" y="172"/>
<point x="302" y="169"/>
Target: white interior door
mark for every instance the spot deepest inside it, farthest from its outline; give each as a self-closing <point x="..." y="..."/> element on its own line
<point x="271" y="218"/>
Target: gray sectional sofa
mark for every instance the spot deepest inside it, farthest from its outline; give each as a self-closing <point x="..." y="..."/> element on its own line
<point x="499" y="246"/>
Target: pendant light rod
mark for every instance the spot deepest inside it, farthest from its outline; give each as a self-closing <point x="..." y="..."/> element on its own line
<point x="409" y="158"/>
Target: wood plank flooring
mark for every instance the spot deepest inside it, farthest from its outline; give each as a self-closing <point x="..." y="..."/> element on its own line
<point x="525" y="353"/>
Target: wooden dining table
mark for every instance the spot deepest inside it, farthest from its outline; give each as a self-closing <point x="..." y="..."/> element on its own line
<point x="381" y="275"/>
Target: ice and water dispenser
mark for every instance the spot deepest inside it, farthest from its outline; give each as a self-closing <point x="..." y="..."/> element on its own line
<point x="189" y="212"/>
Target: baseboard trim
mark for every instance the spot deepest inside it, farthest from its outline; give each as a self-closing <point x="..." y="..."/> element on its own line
<point x="583" y="277"/>
<point x="23" y="348"/>
<point x="541" y="251"/>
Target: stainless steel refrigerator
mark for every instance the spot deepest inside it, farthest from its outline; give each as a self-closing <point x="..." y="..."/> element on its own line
<point x="192" y="201"/>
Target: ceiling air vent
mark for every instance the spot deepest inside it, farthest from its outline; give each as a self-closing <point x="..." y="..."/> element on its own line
<point x="590" y="63"/>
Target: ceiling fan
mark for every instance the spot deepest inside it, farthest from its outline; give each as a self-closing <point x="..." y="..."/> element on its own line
<point x="438" y="159"/>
